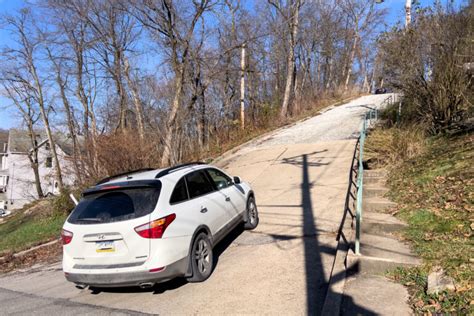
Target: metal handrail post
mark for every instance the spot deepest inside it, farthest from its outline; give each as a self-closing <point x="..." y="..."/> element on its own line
<point x="360" y="183"/>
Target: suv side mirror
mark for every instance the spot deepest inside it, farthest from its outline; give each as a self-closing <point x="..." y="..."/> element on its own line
<point x="237" y="180"/>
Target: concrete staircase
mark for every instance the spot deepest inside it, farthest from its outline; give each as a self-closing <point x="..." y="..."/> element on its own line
<point x="380" y="248"/>
<point x="366" y="290"/>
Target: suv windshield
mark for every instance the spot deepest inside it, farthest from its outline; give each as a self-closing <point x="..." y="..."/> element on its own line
<point x="115" y="206"/>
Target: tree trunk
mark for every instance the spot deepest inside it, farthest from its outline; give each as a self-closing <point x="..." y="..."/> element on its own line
<point x="52" y="144"/>
<point x="136" y="100"/>
<point x="350" y="61"/>
<point x="33" y="157"/>
<point x="117" y="77"/>
<point x="72" y="129"/>
<point x="166" y="158"/>
<point x="293" y="22"/>
<point x="47" y="127"/>
<point x="87" y="105"/>
<point x="69" y="117"/>
<point x="296" y="103"/>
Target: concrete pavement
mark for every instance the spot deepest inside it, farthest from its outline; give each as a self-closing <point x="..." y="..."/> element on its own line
<point x="300" y="177"/>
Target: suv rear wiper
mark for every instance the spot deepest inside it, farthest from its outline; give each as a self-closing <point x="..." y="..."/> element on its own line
<point x="95" y="220"/>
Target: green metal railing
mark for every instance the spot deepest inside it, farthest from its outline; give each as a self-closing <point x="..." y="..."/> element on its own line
<point x="370" y="116"/>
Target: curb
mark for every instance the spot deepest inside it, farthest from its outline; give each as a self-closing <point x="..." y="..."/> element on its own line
<point x="333" y="301"/>
<point x="346" y="237"/>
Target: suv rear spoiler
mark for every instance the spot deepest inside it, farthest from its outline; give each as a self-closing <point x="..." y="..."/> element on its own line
<point x="107" y="179"/>
<point x="123" y="185"/>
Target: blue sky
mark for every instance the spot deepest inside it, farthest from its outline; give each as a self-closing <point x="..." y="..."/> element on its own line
<point x="9" y="119"/>
<point x="7" y="116"/>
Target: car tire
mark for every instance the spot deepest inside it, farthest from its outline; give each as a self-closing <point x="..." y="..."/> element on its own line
<point x="252" y="214"/>
<point x="201" y="258"/>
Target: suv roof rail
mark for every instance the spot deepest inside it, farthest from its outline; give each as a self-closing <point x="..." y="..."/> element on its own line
<point x="171" y="169"/>
<point x="123" y="174"/>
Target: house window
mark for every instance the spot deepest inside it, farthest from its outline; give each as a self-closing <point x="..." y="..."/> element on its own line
<point x="49" y="162"/>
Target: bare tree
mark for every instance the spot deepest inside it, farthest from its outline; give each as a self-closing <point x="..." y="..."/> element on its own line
<point x="28" y="43"/>
<point x="62" y="85"/>
<point x="175" y="33"/>
<point x="362" y="16"/>
<point x="290" y="14"/>
<point x="17" y="90"/>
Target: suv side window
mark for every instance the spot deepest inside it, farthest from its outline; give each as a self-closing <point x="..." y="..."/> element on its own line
<point x="180" y="192"/>
<point x="198" y="184"/>
<point x="220" y="179"/>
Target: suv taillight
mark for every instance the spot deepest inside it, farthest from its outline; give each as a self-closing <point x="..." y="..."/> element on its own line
<point x="66" y="236"/>
<point x="155" y="229"/>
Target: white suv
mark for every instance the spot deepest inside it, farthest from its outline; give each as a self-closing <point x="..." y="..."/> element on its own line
<point x="150" y="226"/>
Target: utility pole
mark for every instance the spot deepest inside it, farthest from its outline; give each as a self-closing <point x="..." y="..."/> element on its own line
<point x="242" y="87"/>
<point x="407" y="13"/>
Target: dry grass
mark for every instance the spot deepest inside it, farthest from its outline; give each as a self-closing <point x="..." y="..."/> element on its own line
<point x="391" y="147"/>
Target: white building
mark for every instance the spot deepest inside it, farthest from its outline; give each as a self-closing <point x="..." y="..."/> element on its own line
<point x="17" y="180"/>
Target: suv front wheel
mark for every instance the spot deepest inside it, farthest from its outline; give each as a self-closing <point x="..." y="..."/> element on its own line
<point x="252" y="214"/>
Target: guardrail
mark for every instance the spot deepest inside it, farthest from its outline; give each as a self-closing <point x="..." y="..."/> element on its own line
<point x="370" y="117"/>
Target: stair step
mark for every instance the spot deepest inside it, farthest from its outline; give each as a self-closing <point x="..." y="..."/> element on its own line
<point x="381" y="224"/>
<point x="381" y="253"/>
<point x="374" y="191"/>
<point x="375" y="173"/>
<point x="374" y="265"/>
<point x="379" y="181"/>
<point x="377" y="204"/>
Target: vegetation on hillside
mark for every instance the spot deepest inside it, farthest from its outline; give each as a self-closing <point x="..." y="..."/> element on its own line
<point x="435" y="195"/>
<point x="428" y="148"/>
<point x="34" y="224"/>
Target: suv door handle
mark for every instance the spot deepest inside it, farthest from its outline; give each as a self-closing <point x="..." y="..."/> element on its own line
<point x="203" y="209"/>
<point x="227" y="199"/>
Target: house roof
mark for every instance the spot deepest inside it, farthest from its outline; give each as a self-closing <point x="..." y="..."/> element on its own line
<point x="19" y="141"/>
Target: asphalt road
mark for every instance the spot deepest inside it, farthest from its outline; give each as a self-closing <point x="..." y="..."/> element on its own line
<point x="300" y="176"/>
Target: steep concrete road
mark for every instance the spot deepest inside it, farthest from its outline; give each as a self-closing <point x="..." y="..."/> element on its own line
<point x="300" y="176"/>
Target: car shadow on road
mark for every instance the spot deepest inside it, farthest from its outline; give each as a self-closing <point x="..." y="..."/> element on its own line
<point x="160" y="288"/>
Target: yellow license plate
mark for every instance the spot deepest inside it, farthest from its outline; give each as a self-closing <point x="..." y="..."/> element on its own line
<point x="105" y="246"/>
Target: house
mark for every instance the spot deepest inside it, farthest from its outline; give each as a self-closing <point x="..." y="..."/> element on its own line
<point x="17" y="180"/>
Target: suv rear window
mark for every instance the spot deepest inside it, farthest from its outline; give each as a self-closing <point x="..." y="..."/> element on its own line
<point x="180" y="193"/>
<point x="115" y="206"/>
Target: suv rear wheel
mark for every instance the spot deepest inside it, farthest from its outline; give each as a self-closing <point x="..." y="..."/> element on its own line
<point x="201" y="258"/>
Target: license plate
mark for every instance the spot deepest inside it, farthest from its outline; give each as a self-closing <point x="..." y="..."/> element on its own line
<point x="105" y="246"/>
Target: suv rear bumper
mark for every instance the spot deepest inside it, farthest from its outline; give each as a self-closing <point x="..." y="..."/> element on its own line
<point x="122" y="279"/>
